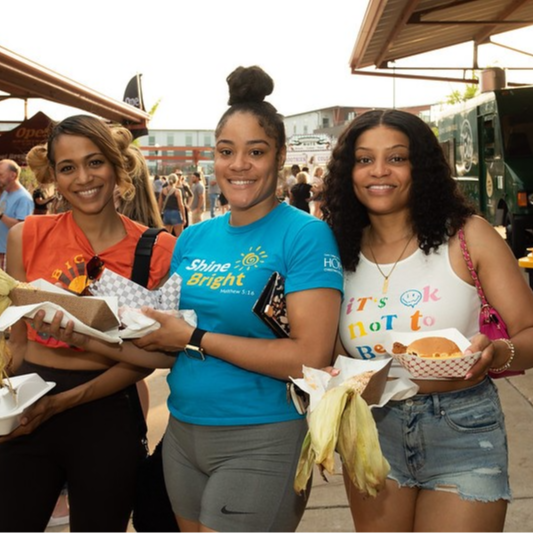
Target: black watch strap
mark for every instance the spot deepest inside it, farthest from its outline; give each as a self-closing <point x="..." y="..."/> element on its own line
<point x="196" y="339"/>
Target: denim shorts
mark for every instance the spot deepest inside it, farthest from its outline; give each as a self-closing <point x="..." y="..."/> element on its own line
<point x="172" y="217"/>
<point x="453" y="441"/>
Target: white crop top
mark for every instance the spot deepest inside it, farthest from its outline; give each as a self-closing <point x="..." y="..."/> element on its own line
<point x="424" y="294"/>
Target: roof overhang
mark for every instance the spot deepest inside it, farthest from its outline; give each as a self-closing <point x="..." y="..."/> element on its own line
<point x="398" y="29"/>
<point x="22" y="78"/>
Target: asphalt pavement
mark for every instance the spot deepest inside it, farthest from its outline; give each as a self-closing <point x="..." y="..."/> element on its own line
<point x="328" y="509"/>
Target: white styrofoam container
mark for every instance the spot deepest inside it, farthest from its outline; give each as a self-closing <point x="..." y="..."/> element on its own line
<point x="29" y="388"/>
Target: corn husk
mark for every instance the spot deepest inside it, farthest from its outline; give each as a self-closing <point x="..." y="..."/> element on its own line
<point x="305" y="464"/>
<point x="342" y="422"/>
<point x="7" y="284"/>
<point x="359" y="448"/>
<point x="324" y="436"/>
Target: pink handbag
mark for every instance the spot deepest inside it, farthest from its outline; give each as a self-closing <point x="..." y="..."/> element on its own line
<point x="491" y="323"/>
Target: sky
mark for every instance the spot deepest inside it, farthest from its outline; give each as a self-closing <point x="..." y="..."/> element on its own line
<point x="185" y="51"/>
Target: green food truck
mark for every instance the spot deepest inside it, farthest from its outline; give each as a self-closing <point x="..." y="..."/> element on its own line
<point x="489" y="143"/>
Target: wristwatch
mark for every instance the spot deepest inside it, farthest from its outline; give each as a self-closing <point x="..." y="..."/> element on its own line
<point x="1" y="215"/>
<point x="194" y="347"/>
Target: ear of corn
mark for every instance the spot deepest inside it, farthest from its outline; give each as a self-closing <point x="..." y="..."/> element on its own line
<point x="342" y="422"/>
<point x="359" y="448"/>
<point x="324" y="435"/>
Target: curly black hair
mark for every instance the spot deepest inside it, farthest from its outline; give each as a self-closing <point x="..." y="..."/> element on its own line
<point x="438" y="209"/>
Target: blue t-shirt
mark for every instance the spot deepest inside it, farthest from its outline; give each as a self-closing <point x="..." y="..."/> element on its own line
<point x="224" y="269"/>
<point x="17" y="204"/>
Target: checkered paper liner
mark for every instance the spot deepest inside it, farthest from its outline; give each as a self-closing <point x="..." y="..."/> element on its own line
<point x="130" y="294"/>
<point x="423" y="367"/>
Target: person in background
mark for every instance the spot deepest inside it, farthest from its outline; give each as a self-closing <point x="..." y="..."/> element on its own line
<point x="300" y="194"/>
<point x="291" y="179"/>
<point x="305" y="169"/>
<point x="16" y="203"/>
<point x="233" y="441"/>
<point x="224" y="206"/>
<point x="83" y="431"/>
<point x="186" y="194"/>
<point x="317" y="184"/>
<point x="35" y="158"/>
<point x="214" y="193"/>
<point x="43" y="200"/>
<point x="172" y="206"/>
<point x="396" y="211"/>
<point x="197" y="206"/>
<point x="157" y="185"/>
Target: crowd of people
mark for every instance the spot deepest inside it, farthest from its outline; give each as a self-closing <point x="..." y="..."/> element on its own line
<point x="382" y="220"/>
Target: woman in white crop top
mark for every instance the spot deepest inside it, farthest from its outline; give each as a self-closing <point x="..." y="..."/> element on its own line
<point x="395" y="209"/>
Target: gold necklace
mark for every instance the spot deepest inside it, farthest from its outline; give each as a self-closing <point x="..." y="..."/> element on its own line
<point x="387" y="276"/>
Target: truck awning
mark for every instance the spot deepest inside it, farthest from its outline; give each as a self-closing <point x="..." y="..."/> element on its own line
<point x="397" y="29"/>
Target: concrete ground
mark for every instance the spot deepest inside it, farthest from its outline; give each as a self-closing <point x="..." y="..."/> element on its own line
<point x="328" y="510"/>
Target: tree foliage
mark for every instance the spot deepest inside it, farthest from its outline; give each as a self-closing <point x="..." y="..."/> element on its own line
<point x="457" y="96"/>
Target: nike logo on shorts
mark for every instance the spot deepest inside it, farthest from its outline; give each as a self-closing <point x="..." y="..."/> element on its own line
<point x="225" y="510"/>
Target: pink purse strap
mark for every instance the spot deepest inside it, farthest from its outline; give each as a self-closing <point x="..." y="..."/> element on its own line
<point x="470" y="266"/>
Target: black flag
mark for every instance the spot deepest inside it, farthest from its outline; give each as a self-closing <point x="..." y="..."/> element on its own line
<point x="133" y="96"/>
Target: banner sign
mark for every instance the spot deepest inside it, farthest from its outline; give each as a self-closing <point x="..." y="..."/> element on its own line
<point x="133" y="96"/>
<point x="16" y="143"/>
<point x="308" y="150"/>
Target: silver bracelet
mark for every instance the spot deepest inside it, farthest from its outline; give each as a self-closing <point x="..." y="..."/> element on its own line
<point x="507" y="365"/>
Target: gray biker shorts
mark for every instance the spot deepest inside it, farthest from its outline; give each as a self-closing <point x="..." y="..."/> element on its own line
<point x="235" y="478"/>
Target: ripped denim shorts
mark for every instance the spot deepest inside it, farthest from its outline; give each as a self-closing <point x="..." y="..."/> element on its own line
<point x="453" y="441"/>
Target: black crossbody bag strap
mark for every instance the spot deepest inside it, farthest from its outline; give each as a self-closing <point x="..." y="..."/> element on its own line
<point x="143" y="255"/>
<point x="140" y="274"/>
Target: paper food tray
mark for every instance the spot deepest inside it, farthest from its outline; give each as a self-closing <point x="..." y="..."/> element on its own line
<point x="94" y="312"/>
<point x="425" y="367"/>
<point x="130" y="294"/>
<point x="317" y="382"/>
<point x="29" y="387"/>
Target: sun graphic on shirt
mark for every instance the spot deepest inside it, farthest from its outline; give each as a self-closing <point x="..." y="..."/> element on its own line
<point x="73" y="274"/>
<point x="251" y="259"/>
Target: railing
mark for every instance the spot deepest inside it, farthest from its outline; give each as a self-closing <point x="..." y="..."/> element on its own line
<point x="195" y="153"/>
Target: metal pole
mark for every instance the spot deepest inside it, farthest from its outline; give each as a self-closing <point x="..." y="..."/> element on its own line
<point x="393" y="85"/>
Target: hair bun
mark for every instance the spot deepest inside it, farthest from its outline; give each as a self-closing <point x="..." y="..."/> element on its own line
<point x="249" y="84"/>
<point x="37" y="159"/>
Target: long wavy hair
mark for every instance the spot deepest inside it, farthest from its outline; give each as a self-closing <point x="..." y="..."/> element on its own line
<point x="437" y="207"/>
<point x="143" y="207"/>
